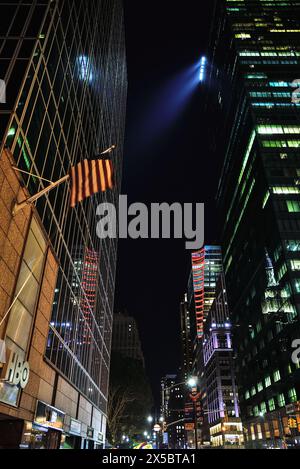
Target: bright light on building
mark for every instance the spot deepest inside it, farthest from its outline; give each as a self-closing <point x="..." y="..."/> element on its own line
<point x="202" y="68"/>
<point x="84" y="65"/>
<point x="192" y="382"/>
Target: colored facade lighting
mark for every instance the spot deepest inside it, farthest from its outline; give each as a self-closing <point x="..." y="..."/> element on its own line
<point x="198" y="265"/>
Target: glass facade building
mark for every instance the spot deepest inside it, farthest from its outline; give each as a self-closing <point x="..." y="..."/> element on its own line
<point x="206" y="267"/>
<point x="222" y="406"/>
<point x="64" y="67"/>
<point x="253" y="65"/>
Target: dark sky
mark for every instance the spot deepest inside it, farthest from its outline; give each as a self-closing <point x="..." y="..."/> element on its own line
<point x="165" y="160"/>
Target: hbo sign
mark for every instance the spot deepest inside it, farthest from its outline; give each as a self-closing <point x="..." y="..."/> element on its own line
<point x="17" y="371"/>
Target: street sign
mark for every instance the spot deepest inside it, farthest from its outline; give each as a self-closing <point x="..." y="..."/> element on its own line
<point x="292" y="421"/>
<point x="156" y="428"/>
<point x="291" y="408"/>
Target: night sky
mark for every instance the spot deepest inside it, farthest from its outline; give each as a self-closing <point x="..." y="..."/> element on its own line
<point x="165" y="160"/>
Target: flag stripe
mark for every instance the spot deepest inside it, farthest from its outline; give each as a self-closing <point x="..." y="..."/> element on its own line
<point x="80" y="180"/>
<point x="102" y="177"/>
<point x="77" y="184"/>
<point x="91" y="177"/>
<point x="98" y="176"/>
<point x="94" y="177"/>
<point x="109" y="174"/>
<point x="73" y="188"/>
<point x="87" y="190"/>
<point x="105" y="173"/>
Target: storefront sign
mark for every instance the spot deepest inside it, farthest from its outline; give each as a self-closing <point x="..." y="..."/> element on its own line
<point x="2" y="352"/>
<point x="90" y="433"/>
<point x="49" y="416"/>
<point x="16" y="370"/>
<point x="295" y="407"/>
<point x="75" y="427"/>
<point x="189" y="426"/>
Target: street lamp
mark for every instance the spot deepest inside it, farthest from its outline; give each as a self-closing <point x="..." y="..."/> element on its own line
<point x="192" y="382"/>
<point x="150" y="419"/>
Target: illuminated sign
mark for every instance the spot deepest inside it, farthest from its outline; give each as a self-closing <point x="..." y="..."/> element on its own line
<point x="2" y="92"/>
<point x="75" y="427"/>
<point x="198" y="267"/>
<point x="90" y="432"/>
<point x="16" y="370"/>
<point x="189" y="426"/>
<point x="48" y="416"/>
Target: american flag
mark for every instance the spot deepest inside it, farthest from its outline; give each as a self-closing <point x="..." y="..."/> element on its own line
<point x="89" y="177"/>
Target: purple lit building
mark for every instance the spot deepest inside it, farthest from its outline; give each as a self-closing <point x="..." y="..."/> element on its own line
<point x="221" y="403"/>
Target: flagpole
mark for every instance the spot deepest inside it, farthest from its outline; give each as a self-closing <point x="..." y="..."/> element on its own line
<point x="31" y="174"/>
<point x="30" y="200"/>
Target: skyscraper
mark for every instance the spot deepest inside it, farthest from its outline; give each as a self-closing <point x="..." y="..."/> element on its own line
<point x="222" y="406"/>
<point x="186" y="339"/>
<point x="206" y="267"/>
<point x="253" y="63"/>
<point x="65" y="73"/>
<point x="125" y="338"/>
<point x="172" y="410"/>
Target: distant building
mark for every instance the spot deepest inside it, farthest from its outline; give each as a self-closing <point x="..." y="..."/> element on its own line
<point x="172" y="410"/>
<point x="222" y="407"/>
<point x="186" y="339"/>
<point x="125" y="338"/>
<point x="206" y="269"/>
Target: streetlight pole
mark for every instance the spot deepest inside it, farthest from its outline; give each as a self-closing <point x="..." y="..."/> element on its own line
<point x="195" y="425"/>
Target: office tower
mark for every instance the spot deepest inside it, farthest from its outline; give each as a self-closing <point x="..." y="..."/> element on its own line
<point x="172" y="391"/>
<point x="206" y="267"/>
<point x="186" y="339"/>
<point x="65" y="72"/>
<point x="255" y="126"/>
<point x="222" y="407"/>
<point x="125" y="338"/>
